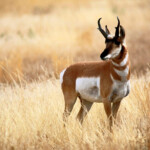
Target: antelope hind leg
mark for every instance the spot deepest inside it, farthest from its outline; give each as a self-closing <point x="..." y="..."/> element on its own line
<point x="70" y="100"/>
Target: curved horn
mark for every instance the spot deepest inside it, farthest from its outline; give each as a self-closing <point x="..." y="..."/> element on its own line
<point x="117" y="28"/>
<point x="100" y="29"/>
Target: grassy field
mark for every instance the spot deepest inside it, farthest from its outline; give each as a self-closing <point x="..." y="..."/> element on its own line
<point x="31" y="118"/>
<point x="37" y="41"/>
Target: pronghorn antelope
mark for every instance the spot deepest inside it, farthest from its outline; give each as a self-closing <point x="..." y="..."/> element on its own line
<point x="106" y="81"/>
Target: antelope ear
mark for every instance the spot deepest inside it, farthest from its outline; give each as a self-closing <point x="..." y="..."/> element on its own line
<point x="107" y="30"/>
<point x="122" y="34"/>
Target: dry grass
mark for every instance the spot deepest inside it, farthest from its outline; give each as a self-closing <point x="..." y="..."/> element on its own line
<point x="31" y="43"/>
<point x="31" y="118"/>
<point x="38" y="39"/>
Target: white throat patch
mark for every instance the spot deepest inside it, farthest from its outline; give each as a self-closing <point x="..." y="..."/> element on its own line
<point x="123" y="73"/>
<point x="124" y="61"/>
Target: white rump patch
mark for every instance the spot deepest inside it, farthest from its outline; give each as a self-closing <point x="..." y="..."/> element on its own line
<point x="61" y="76"/>
<point x="89" y="88"/>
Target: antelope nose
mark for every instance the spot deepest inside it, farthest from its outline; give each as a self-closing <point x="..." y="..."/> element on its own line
<point x="102" y="56"/>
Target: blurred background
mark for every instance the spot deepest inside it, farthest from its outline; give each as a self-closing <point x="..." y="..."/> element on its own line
<point x="39" y="38"/>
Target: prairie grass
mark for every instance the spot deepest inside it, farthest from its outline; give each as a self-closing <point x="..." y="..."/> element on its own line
<point x="31" y="118"/>
<point x="38" y="39"/>
<point x="68" y="34"/>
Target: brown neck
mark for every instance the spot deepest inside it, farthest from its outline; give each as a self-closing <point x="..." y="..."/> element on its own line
<point x="120" y="66"/>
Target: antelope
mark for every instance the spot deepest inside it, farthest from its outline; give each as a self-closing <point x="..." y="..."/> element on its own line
<point x="104" y="81"/>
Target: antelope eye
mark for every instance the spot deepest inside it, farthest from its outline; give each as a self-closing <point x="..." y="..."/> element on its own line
<point x="117" y="43"/>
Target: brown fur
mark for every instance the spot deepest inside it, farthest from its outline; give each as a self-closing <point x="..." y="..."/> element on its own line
<point x="101" y="69"/>
<point x="104" y="70"/>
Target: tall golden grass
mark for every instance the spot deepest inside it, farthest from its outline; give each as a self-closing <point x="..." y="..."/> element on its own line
<point x="31" y="118"/>
<point x="38" y="39"/>
<point x="68" y="34"/>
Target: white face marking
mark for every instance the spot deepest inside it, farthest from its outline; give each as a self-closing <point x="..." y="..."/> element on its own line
<point x="61" y="76"/>
<point x="123" y="73"/>
<point x="108" y="56"/>
<point x="110" y="36"/>
<point x="114" y="53"/>
<point x="89" y="88"/>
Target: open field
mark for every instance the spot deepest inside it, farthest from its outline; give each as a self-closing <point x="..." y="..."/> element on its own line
<point x="37" y="41"/>
<point x="32" y="43"/>
<point x="31" y="118"/>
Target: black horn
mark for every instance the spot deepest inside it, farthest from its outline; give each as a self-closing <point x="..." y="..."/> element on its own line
<point x="100" y="29"/>
<point x="117" y="28"/>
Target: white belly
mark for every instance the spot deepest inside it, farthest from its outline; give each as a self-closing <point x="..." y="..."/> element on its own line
<point x="89" y="88"/>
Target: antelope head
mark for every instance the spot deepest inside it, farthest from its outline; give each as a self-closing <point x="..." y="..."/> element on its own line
<point x="113" y="43"/>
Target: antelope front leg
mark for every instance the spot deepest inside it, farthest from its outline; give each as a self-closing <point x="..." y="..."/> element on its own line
<point x="107" y="107"/>
<point x="115" y="108"/>
<point x="85" y="108"/>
